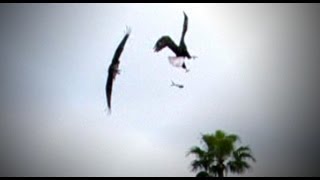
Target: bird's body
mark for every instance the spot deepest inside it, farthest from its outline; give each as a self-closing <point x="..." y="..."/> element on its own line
<point x="114" y="68"/>
<point x="176" y="85"/>
<point x="181" y="50"/>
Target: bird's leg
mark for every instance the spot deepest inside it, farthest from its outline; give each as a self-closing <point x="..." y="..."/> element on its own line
<point x="116" y="69"/>
<point x="185" y="67"/>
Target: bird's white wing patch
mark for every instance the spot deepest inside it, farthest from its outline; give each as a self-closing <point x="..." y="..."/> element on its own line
<point x="176" y="61"/>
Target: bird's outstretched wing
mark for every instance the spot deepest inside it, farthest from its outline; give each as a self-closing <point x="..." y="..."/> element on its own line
<point x="109" y="88"/>
<point x="113" y="68"/>
<point x="120" y="47"/>
<point x="185" y="26"/>
<point x="166" y="41"/>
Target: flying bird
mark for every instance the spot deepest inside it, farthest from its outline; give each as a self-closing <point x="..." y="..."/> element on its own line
<point x="177" y="85"/>
<point x="180" y="51"/>
<point x="114" y="67"/>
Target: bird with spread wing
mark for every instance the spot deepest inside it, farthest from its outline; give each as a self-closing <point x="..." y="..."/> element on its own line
<point x="181" y="51"/>
<point x="114" y="67"/>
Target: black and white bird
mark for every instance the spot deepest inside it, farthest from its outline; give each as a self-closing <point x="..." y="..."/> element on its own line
<point x="180" y="51"/>
<point x="114" y="67"/>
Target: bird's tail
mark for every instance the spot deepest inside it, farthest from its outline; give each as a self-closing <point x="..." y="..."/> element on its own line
<point x="172" y="83"/>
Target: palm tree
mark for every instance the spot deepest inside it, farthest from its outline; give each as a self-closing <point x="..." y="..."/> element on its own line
<point x="220" y="155"/>
<point x="238" y="162"/>
<point x="202" y="162"/>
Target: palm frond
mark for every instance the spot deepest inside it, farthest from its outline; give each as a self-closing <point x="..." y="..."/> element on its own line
<point x="197" y="151"/>
<point x="218" y="148"/>
<point x="196" y="165"/>
<point x="243" y="152"/>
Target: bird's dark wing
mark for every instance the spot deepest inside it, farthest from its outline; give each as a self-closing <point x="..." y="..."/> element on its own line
<point x="119" y="50"/>
<point x="185" y="27"/>
<point x="109" y="87"/>
<point x="113" y="68"/>
<point x="166" y="41"/>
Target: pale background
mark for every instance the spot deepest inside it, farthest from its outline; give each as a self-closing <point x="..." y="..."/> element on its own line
<point x="255" y="76"/>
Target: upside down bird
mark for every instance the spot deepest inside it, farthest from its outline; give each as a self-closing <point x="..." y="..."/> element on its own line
<point x="114" y="67"/>
<point x="181" y="51"/>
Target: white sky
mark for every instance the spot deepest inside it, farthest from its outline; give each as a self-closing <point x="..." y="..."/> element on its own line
<point x="255" y="76"/>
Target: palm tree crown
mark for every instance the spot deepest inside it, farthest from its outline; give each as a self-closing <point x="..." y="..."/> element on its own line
<point x="219" y="155"/>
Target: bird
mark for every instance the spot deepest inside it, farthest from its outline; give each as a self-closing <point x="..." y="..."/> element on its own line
<point x="180" y="51"/>
<point x="177" y="85"/>
<point x="114" y="67"/>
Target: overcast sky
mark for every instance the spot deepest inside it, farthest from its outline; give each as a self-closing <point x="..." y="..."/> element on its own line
<point x="256" y="75"/>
